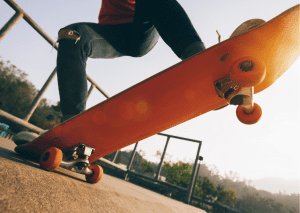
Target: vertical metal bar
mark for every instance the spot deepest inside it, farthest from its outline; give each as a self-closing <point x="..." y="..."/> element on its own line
<point x="198" y="168"/>
<point x="10" y="24"/>
<point x="132" y="156"/>
<point x="39" y="97"/>
<point x="115" y="157"/>
<point x="131" y="159"/>
<point x="162" y="159"/>
<point x="192" y="181"/>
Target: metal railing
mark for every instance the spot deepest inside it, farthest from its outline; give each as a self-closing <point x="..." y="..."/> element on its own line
<point x="193" y="176"/>
<point x="3" y="32"/>
<point x="189" y="191"/>
<point x="156" y="184"/>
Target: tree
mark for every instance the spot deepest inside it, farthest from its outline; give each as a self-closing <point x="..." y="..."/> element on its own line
<point x="146" y="168"/>
<point x="179" y="173"/>
<point x="227" y="197"/>
<point x="17" y="93"/>
<point x="205" y="189"/>
<point x="254" y="203"/>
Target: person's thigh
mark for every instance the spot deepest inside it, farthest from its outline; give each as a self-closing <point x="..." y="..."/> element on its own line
<point x="110" y="41"/>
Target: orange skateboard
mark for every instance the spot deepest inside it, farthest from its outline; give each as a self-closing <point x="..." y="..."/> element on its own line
<point x="231" y="72"/>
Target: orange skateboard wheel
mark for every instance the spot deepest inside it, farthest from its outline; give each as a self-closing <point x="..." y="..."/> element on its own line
<point x="51" y="159"/>
<point x="247" y="72"/>
<point x="252" y="118"/>
<point x="96" y="176"/>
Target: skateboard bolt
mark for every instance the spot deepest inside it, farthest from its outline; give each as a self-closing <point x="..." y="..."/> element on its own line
<point x="247" y="66"/>
<point x="224" y="57"/>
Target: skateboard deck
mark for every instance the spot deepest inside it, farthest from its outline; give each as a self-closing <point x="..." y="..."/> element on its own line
<point x="184" y="91"/>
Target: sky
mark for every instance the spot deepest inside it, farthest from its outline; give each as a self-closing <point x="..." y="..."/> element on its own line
<point x="269" y="148"/>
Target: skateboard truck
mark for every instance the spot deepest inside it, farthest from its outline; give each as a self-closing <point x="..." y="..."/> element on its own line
<point x="238" y="88"/>
<point x="74" y="159"/>
<point x="234" y="94"/>
<point x="77" y="159"/>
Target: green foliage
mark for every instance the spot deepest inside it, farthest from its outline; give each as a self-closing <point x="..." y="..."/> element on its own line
<point x="146" y="167"/>
<point x="204" y="189"/>
<point x="254" y="203"/>
<point x="179" y="173"/>
<point x="17" y="93"/>
<point x="227" y="197"/>
<point x="249" y="196"/>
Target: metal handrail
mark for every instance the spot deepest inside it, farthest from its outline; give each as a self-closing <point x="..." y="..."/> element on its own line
<point x="195" y="171"/>
<point x="39" y="30"/>
<point x="3" y="32"/>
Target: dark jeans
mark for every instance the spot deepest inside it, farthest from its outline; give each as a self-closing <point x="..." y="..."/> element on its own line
<point x="152" y="18"/>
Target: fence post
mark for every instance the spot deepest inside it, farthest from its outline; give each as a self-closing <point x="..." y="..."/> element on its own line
<point x="192" y="181"/>
<point x="198" y="169"/>
<point x="131" y="160"/>
<point x="162" y="158"/>
<point x="115" y="156"/>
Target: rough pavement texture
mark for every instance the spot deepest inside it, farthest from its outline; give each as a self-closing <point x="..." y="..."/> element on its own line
<point x="24" y="187"/>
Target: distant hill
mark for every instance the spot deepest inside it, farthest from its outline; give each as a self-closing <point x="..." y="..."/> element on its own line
<point x="274" y="185"/>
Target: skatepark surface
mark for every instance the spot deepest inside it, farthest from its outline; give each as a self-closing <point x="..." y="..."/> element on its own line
<point x="24" y="187"/>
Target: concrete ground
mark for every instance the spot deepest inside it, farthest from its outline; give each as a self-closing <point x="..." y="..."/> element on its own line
<point x="24" y="187"/>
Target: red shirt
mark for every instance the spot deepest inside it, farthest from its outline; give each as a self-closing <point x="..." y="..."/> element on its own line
<point x="117" y="12"/>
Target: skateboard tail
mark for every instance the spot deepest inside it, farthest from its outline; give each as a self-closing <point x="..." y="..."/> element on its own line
<point x="283" y="48"/>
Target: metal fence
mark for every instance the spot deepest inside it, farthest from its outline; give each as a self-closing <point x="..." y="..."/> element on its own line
<point x="157" y="185"/>
<point x="156" y="179"/>
<point x="195" y="171"/>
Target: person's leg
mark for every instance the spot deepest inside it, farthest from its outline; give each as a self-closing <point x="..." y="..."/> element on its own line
<point x="132" y="39"/>
<point x="173" y="25"/>
<point x="80" y="41"/>
<point x="77" y="42"/>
